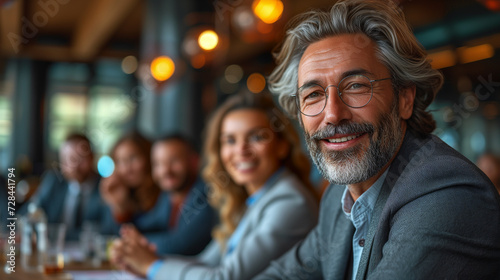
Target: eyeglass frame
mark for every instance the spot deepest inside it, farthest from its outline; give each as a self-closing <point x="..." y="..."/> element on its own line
<point x="339" y="93"/>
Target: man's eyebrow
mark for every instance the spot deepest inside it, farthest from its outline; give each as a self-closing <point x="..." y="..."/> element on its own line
<point x="309" y="84"/>
<point x="359" y="71"/>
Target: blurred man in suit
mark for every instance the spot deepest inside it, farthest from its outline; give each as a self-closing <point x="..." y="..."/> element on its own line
<point x="71" y="195"/>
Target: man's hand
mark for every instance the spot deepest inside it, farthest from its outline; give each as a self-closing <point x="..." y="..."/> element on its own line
<point x="115" y="194"/>
<point x="129" y="233"/>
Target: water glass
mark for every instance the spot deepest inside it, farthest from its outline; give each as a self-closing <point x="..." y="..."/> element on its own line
<point x="52" y="245"/>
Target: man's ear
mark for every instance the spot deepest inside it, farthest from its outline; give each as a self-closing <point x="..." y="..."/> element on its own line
<point x="406" y="100"/>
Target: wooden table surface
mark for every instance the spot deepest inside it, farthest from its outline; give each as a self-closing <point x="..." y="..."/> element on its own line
<point x="21" y="274"/>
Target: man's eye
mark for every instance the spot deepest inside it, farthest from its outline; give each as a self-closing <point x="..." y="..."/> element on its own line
<point x="356" y="88"/>
<point x="313" y="96"/>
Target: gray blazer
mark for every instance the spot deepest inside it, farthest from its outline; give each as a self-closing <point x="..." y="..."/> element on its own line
<point x="437" y="217"/>
<point x="276" y="222"/>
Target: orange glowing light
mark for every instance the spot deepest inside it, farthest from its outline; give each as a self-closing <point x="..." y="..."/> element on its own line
<point x="442" y="59"/>
<point x="475" y="53"/>
<point x="269" y="11"/>
<point x="208" y="40"/>
<point x="162" y="68"/>
<point x="493" y="5"/>
<point x="256" y="82"/>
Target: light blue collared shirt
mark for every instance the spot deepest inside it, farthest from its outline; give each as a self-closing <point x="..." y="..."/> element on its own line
<point x="360" y="212"/>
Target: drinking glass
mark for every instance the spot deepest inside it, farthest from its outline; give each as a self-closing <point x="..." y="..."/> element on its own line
<point x="52" y="239"/>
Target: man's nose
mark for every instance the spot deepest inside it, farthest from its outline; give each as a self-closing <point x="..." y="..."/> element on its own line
<point x="335" y="110"/>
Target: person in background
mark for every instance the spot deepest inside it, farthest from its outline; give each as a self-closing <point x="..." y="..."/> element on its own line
<point x="490" y="165"/>
<point x="71" y="195"/>
<point x="130" y="191"/>
<point x="410" y="206"/>
<point x="259" y="180"/>
<point x="187" y="218"/>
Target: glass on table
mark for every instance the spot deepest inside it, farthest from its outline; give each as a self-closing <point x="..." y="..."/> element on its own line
<point x="31" y="247"/>
<point x="4" y="249"/>
<point x="52" y="239"/>
<point x="87" y="239"/>
<point x="94" y="246"/>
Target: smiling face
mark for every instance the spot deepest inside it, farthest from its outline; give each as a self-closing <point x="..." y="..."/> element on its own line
<point x="173" y="165"/>
<point x="130" y="164"/>
<point x="250" y="151"/>
<point x="352" y="145"/>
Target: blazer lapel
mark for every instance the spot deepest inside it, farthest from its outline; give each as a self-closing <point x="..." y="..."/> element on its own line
<point x="377" y="210"/>
<point x="395" y="169"/>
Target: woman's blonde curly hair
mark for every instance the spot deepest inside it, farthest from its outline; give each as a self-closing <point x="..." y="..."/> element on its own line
<point x="227" y="196"/>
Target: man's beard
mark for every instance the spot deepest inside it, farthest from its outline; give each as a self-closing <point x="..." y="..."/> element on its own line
<point x="186" y="182"/>
<point x="359" y="163"/>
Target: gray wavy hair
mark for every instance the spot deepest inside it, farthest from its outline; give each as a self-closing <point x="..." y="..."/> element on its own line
<point x="397" y="48"/>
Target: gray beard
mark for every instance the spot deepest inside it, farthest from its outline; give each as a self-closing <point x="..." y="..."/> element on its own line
<point x="359" y="163"/>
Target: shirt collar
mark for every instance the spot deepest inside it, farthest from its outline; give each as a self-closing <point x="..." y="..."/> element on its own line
<point x="251" y="200"/>
<point x="86" y="187"/>
<point x="366" y="200"/>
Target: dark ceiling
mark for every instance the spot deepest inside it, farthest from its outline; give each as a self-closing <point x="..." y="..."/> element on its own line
<point x="84" y="30"/>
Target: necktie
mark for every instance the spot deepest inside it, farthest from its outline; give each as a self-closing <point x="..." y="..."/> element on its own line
<point x="79" y="211"/>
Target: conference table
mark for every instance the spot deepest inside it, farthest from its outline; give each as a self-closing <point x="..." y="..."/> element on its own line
<point x="74" y="269"/>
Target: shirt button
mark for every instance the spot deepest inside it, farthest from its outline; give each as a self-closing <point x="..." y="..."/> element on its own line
<point x="361" y="242"/>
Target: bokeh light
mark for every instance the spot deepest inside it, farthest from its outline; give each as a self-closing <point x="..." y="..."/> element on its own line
<point x="450" y="137"/>
<point x="243" y="18"/>
<point x="208" y="40"/>
<point x="105" y="166"/>
<point x="256" y="82"/>
<point x="233" y="73"/>
<point x="475" y="53"/>
<point x="269" y="11"/>
<point x="129" y="64"/>
<point x="162" y="68"/>
<point x="478" y="142"/>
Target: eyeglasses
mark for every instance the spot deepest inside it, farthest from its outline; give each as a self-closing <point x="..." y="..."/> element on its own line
<point x="355" y="91"/>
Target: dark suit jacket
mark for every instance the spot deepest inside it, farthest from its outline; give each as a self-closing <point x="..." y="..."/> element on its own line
<point x="437" y="217"/>
<point x="194" y="228"/>
<point x="51" y="195"/>
<point x="3" y="199"/>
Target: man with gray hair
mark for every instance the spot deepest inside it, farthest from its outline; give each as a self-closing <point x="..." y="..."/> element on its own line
<point x="413" y="208"/>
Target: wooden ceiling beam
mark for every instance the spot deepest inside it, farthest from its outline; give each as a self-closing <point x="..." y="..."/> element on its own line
<point x="64" y="53"/>
<point x="12" y="38"/>
<point x="48" y="52"/>
<point x="101" y="20"/>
